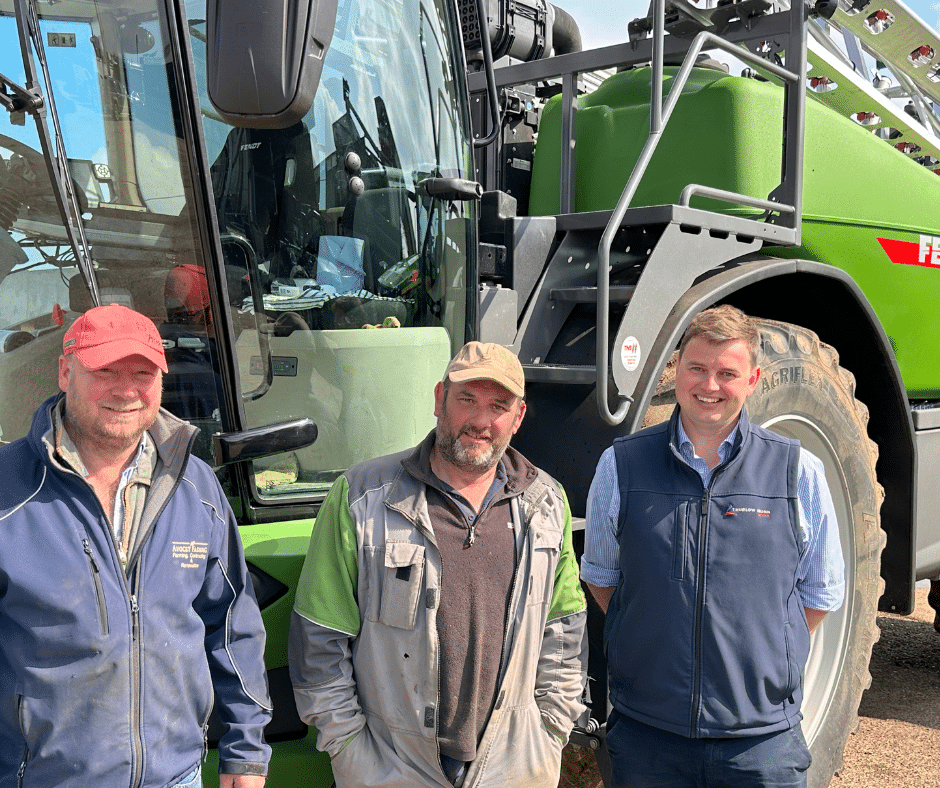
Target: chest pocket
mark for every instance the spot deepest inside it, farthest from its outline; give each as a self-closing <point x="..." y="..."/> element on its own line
<point x="400" y="580"/>
<point x="684" y="531"/>
<point x="546" y="547"/>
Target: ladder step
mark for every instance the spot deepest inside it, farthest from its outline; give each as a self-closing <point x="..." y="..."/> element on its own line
<point x="560" y="373"/>
<point x="619" y="294"/>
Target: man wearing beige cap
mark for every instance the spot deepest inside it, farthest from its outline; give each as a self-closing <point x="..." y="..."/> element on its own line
<point x="437" y="637"/>
<point x="126" y="609"/>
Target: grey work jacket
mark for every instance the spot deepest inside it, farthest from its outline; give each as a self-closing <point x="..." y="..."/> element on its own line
<point x="373" y="694"/>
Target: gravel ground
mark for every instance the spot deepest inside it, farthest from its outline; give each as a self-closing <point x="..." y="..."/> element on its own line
<point x="897" y="744"/>
<point x="898" y="740"/>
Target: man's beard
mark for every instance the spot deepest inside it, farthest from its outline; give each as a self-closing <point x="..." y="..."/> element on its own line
<point x="83" y="429"/>
<point x="453" y="451"/>
<point x="450" y="448"/>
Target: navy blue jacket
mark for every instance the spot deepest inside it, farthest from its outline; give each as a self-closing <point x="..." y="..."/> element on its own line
<point x="705" y="634"/>
<point x="105" y="678"/>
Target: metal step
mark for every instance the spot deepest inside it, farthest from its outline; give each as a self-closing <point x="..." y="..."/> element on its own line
<point x="561" y="374"/>
<point x="619" y="294"/>
<point x="694" y="219"/>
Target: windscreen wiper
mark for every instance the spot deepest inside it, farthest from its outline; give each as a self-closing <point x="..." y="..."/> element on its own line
<point x="30" y="99"/>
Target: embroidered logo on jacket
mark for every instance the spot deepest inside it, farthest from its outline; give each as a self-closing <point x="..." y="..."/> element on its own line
<point x="189" y="554"/>
<point x="734" y="511"/>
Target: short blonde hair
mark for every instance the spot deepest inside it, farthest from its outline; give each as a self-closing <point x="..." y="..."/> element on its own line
<point x="723" y="323"/>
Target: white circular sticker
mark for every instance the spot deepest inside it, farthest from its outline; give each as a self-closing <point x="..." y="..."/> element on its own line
<point x="630" y="354"/>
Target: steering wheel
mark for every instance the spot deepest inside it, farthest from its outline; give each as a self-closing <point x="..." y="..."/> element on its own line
<point x="34" y="158"/>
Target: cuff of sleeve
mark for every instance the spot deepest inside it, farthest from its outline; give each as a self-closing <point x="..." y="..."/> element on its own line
<point x="554" y="730"/>
<point x="243" y="767"/>
<point x="825" y="599"/>
<point x="598" y="576"/>
<point x="346" y="743"/>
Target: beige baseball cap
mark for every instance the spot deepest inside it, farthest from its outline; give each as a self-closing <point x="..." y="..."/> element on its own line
<point x="487" y="361"/>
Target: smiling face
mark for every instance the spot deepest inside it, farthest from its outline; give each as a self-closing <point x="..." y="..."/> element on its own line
<point x="111" y="407"/>
<point x="712" y="382"/>
<point x="475" y="421"/>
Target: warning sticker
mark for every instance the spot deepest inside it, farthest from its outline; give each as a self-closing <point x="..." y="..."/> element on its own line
<point x="630" y="354"/>
<point x="925" y="253"/>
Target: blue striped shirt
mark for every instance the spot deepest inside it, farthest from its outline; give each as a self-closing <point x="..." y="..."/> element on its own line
<point x="821" y="572"/>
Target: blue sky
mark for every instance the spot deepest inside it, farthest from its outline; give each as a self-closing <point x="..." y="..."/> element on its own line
<point x="603" y="23"/>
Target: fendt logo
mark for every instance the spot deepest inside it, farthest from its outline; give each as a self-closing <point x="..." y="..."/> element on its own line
<point x="926" y="253"/>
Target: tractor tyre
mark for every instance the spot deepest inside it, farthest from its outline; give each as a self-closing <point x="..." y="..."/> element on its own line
<point x="803" y="393"/>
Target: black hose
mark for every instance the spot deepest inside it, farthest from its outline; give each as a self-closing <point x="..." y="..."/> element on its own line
<point x="566" y="36"/>
<point x="491" y="92"/>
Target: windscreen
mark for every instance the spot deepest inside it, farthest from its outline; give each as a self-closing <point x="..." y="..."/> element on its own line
<point x="344" y="286"/>
<point x="362" y="277"/>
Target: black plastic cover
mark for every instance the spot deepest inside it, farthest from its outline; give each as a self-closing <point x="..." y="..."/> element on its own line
<point x="264" y="58"/>
<point x="258" y="442"/>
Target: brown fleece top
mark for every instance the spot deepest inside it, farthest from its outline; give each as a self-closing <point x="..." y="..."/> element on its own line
<point x="476" y="581"/>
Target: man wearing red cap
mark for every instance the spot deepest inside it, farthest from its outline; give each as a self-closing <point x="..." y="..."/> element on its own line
<point x="126" y="609"/>
<point x="186" y="295"/>
<point x="437" y="637"/>
<point x="193" y="389"/>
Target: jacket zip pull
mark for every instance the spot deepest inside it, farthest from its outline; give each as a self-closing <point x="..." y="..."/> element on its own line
<point x="533" y="505"/>
<point x="22" y="770"/>
<point x="135" y="614"/>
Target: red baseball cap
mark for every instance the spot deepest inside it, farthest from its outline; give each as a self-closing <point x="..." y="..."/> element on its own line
<point x="186" y="288"/>
<point x="106" y="334"/>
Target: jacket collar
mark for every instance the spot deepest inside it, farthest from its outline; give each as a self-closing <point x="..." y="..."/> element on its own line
<point x="741" y="434"/>
<point x="409" y="498"/>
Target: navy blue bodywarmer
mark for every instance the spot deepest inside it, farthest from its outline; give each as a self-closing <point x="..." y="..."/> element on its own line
<point x="705" y="634"/>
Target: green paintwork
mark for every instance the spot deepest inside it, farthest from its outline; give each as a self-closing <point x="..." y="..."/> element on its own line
<point x="279" y="550"/>
<point x="351" y="384"/>
<point x="726" y="132"/>
<point x="295" y="763"/>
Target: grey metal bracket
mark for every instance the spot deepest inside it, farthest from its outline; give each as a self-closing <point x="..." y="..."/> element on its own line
<point x="16" y="99"/>
<point x="682" y="255"/>
<point x="572" y="264"/>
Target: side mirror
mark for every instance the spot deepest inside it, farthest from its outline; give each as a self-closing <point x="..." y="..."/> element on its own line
<point x="252" y="444"/>
<point x="264" y="58"/>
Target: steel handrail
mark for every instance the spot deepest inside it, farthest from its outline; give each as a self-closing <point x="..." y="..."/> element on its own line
<point x="659" y="117"/>
<point x="725" y="196"/>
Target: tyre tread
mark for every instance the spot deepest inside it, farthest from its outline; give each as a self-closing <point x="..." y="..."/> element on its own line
<point x="779" y="340"/>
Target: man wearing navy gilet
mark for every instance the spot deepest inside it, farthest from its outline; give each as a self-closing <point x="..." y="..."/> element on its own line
<point x="713" y="547"/>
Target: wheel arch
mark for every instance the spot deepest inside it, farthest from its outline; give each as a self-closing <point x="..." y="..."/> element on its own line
<point x="828" y="301"/>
